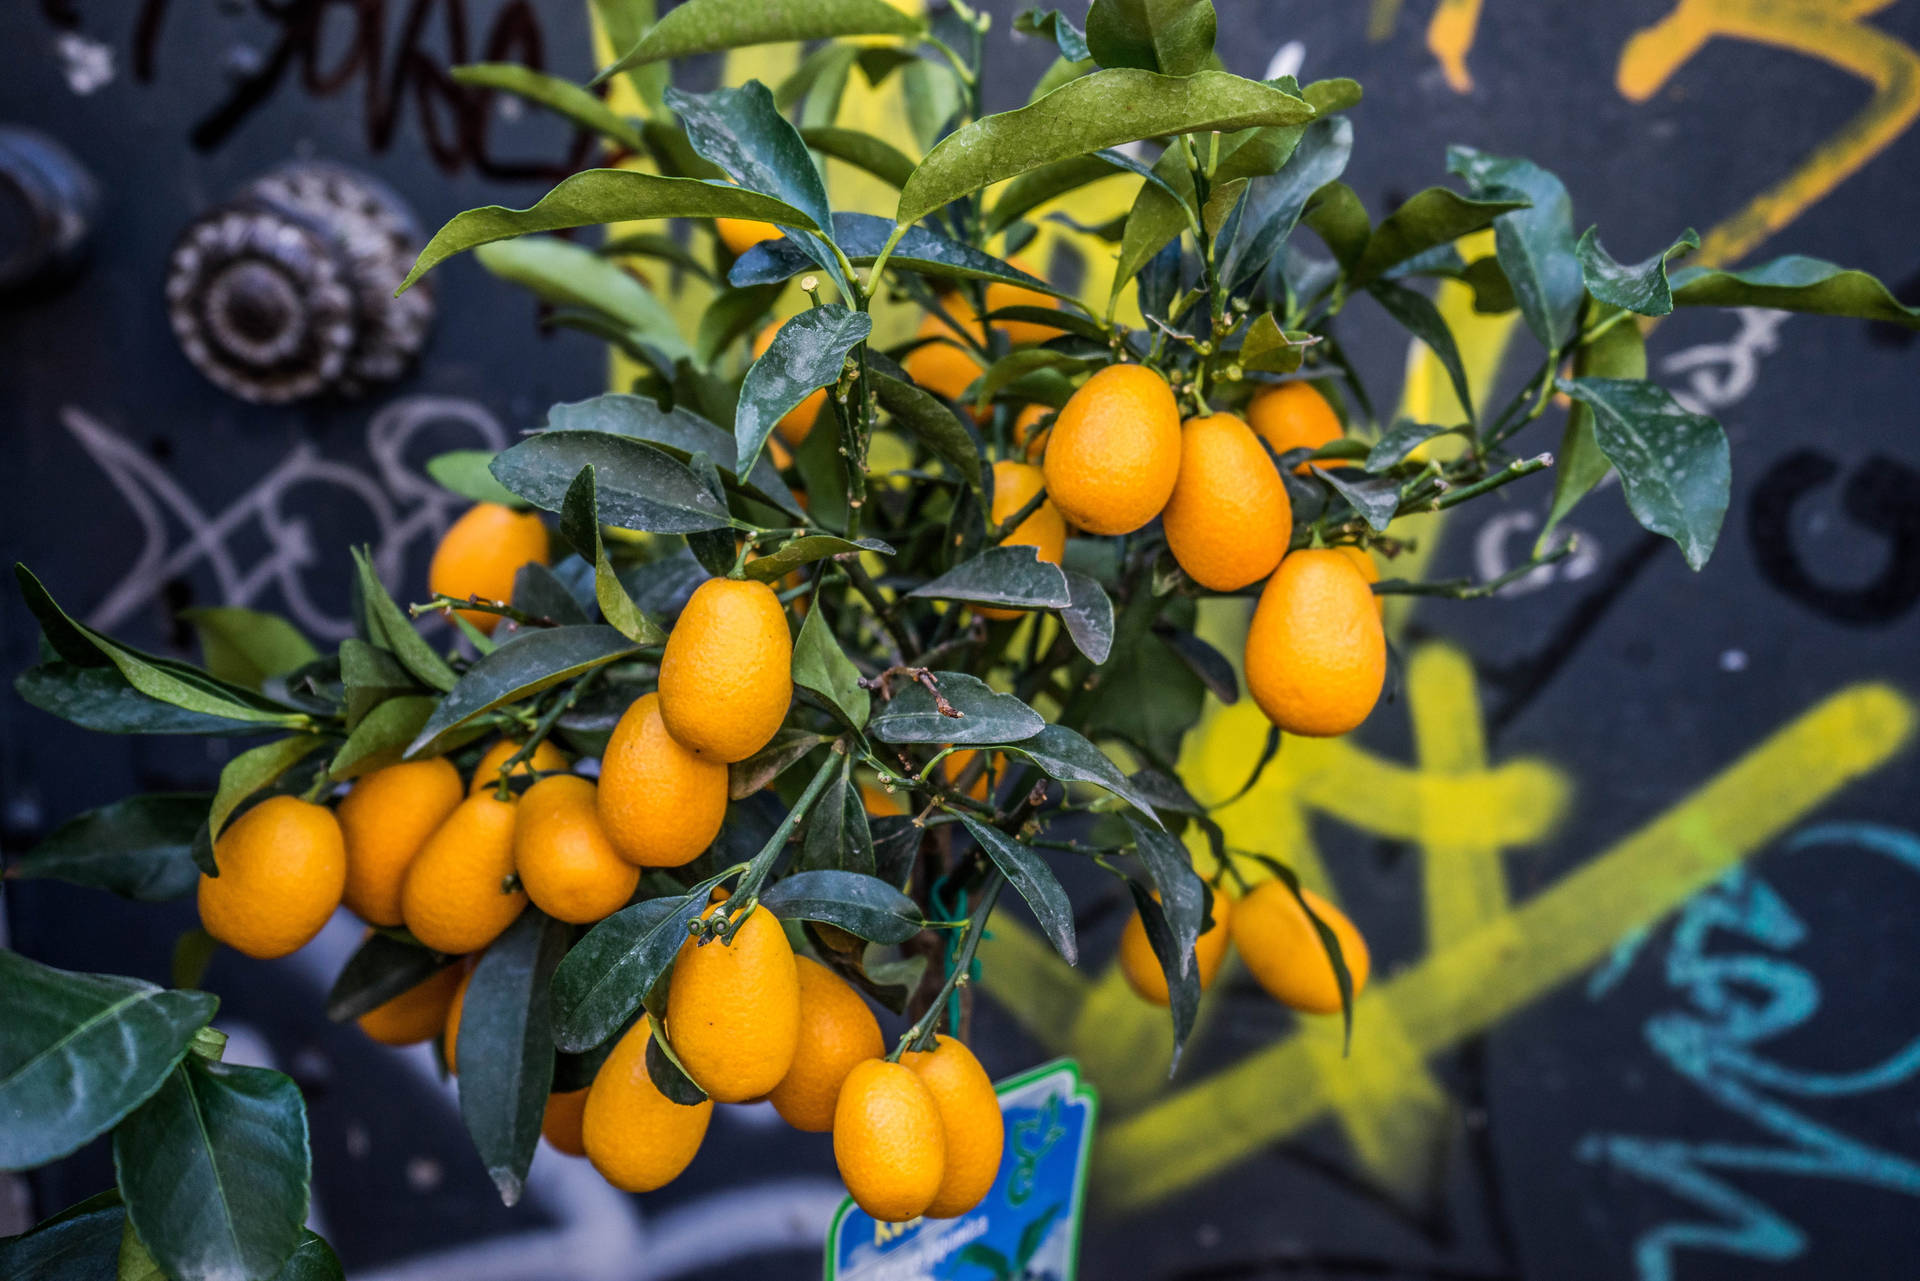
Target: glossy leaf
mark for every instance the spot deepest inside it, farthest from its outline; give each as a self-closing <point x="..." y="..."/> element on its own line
<point x="668" y="1073"/>
<point x="1641" y="288"/>
<point x="708" y="26"/>
<point x="312" y="1260"/>
<point x="381" y="968"/>
<point x="246" y="646"/>
<point x="862" y="236"/>
<point x="1051" y="24"/>
<point x="214" y="1169"/>
<point x="535" y="660"/>
<point x="1012" y="577"/>
<point x="599" y="196"/>
<point x="139" y="848"/>
<point x="538" y="592"/>
<point x="1183" y="894"/>
<point x="985" y="716"/>
<point x="1214" y="669"/>
<point x="929" y="419"/>
<point x="580" y="526"/>
<point x="78" y="1052"/>
<point x="1105" y="109"/>
<point x="836" y="835"/>
<point x="1088" y="617"/>
<point x="1535" y="245"/>
<point x="1673" y="464"/>
<point x="1794" y="283"/>
<point x="1170" y="36"/>
<point x="568" y="275"/>
<point x="1337" y="217"/>
<point x="1276" y="201"/>
<point x="1376" y="498"/>
<point x="1271" y="350"/>
<point x="859" y="904"/>
<point x="787" y="748"/>
<point x="807" y="549"/>
<point x="1579" y="465"/>
<point x="99" y="699"/>
<point x="1417" y="314"/>
<point x="465" y="472"/>
<point x="1034" y="881"/>
<point x="601" y="982"/>
<point x="637" y="485"/>
<point x="680" y="432"/>
<point x="1399" y="441"/>
<point x="254" y="769"/>
<point x="81" y="1243"/>
<point x="821" y="667"/>
<point x="391" y="630"/>
<point x="1176" y="964"/>
<point x="1071" y="757"/>
<point x="806" y="354"/>
<point x="562" y="96"/>
<point x="506" y="1047"/>
<point x="1436" y="216"/>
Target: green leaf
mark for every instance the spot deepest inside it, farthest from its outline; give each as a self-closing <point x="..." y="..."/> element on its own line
<point x="580" y="526"/>
<point x="599" y="196"/>
<point x="465" y="472"/>
<point x="370" y="676"/>
<point x="1012" y="577"/>
<point x="562" y="96"/>
<point x="1275" y="202"/>
<point x="381" y="737"/>
<point x="193" y="952"/>
<point x="1400" y="440"/>
<point x="789" y="745"/>
<point x="134" y="1263"/>
<point x="857" y="903"/>
<point x="1329" y="942"/>
<point x="1337" y="217"/>
<point x="214" y="1169"/>
<point x="1618" y="352"/>
<point x="81" y="1243"/>
<point x="862" y="151"/>
<point x="708" y="26"/>
<point x="862" y="236"/>
<point x="1051" y="24"/>
<point x="381" y="968"/>
<point x="821" y="667"/>
<point x="668" y="1073"/>
<point x="1436" y="216"/>
<point x="1183" y="894"/>
<point x="681" y="433"/>
<point x="139" y="848"/>
<point x="1794" y="283"/>
<point x="99" y="699"/>
<point x="733" y="314"/>
<point x="253" y="770"/>
<point x="1034" y="881"/>
<point x="601" y="982"/>
<point x="637" y="485"/>
<point x="506" y="1047"/>
<point x="1375" y="498"/>
<point x="1171" y="36"/>
<point x="807" y="353"/>
<point x="1105" y="109"/>
<point x="246" y="646"/>
<point x="1673" y="464"/>
<point x="1088" y="617"/>
<point x="807" y="549"/>
<point x="1070" y="757"/>
<point x="1049" y="182"/>
<point x="653" y="244"/>
<point x="1535" y="245"/>
<point x="1269" y="349"/>
<point x="1492" y="291"/>
<point x="532" y="661"/>
<point x="539" y="593"/>
<point x="78" y="1052"/>
<point x="930" y="420"/>
<point x="1417" y="314"/>
<point x="312" y="1260"/>
<point x="568" y="275"/>
<point x="1176" y="964"/>
<point x="837" y="834"/>
<point x="390" y="629"/>
<point x="984" y="716"/>
<point x="1641" y="288"/>
<point x="1338" y="94"/>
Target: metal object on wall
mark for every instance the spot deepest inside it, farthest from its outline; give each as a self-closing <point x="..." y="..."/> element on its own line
<point x="47" y="206"/>
<point x="286" y="292"/>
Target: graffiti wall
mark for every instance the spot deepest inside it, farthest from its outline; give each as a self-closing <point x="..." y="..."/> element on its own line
<point x="1638" y="851"/>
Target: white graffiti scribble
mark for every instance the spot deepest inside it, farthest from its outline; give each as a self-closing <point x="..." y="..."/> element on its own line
<point x="406" y="507"/>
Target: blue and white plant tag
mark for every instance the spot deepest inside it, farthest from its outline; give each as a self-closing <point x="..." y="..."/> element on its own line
<point x="1029" y="1223"/>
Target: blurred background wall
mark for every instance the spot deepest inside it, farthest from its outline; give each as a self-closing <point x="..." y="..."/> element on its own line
<point x="1638" y="850"/>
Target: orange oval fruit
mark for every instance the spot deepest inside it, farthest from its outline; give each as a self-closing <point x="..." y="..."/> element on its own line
<point x="638" y="1138"/>
<point x="450" y="1035"/>
<point x="283" y="868"/>
<point x="1001" y="295"/>
<point x="970" y="1119"/>
<point x="726" y="678"/>
<point x="660" y="805"/>
<point x="459" y="894"/>
<point x="837" y="1031"/>
<point x="742" y="234"/>
<point x="943" y="365"/>
<point x="1142" y="968"/>
<point x="567" y="865"/>
<point x="561" y="1123"/>
<point x="798" y="421"/>
<point x="1283" y="952"/>
<point x="1014" y="486"/>
<point x="1114" y="453"/>
<point x="889" y="1141"/>
<point x="1295" y="416"/>
<point x="1229" y="520"/>
<point x="733" y="1009"/>
<point x="1316" y="656"/>
<point x="546" y="759"/>
<point x="417" y="1014"/>
<point x="1369" y="569"/>
<point x="481" y="552"/>
<point x="1029" y="437"/>
<point x="385" y="818"/>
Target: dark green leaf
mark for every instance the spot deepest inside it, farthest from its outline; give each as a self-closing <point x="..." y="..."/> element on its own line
<point x="138" y="848"/>
<point x="1376" y="498"/>
<point x="1176" y="963"/>
<point x="928" y="418"/>
<point x="580" y="526"/>
<point x="1416" y="312"/>
<point x="370" y="676"/>
<point x="1329" y="941"/>
<point x="1105" y="109"/>
<point x="78" y="1052"/>
<point x="985" y="717"/>
<point x="1071" y="322"/>
<point x="1088" y="617"/>
<point x="668" y="1073"/>
<point x="532" y="661"/>
<point x="681" y="433"/>
<point x="569" y="275"/>
<point x="1275" y="202"/>
<point x="558" y="95"/>
<point x="1035" y="882"/>
<point x="1619" y="352"/>
<point x="862" y="151"/>
<point x="1018" y="366"/>
<point x="1535" y="245"/>
<point x="805" y="550"/>
<point x="1183" y="894"/>
<point x="246" y="646"/>
<point x="214" y="1169"/>
<point x="599" y="196"/>
<point x="788" y="746"/>
<point x="81" y="1243"/>
<point x="253" y="770"/>
<point x="1011" y="577"/>
<point x="1400" y="440"/>
<point x="391" y="630"/>
<point x="1641" y="288"/>
<point x="1271" y="350"/>
<point x="638" y="486"/>
<point x="381" y="968"/>
<point x="822" y="667"/>
<point x="193" y="952"/>
<point x="806" y="354"/>
<point x="1794" y="283"/>
<point x="1214" y="669"/>
<point x="837" y="836"/>
<point x="859" y="904"/>
<point x="1492" y="291"/>
<point x="312" y="1260"/>
<point x="1049" y="182"/>
<point x="732" y="315"/>
<point x="1337" y="217"/>
<point x="1071" y="758"/>
<point x="708" y="26"/>
<point x="506" y="1047"/>
<point x="602" y="981"/>
<point x="1673" y="464"/>
<point x="1051" y="24"/>
<point x="465" y="472"/>
<point x="1171" y="36"/>
<point x="99" y="699"/>
<point x="1436" y="216"/>
<point x="862" y="236"/>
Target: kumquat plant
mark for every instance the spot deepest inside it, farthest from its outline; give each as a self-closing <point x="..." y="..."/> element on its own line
<point x="746" y="695"/>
